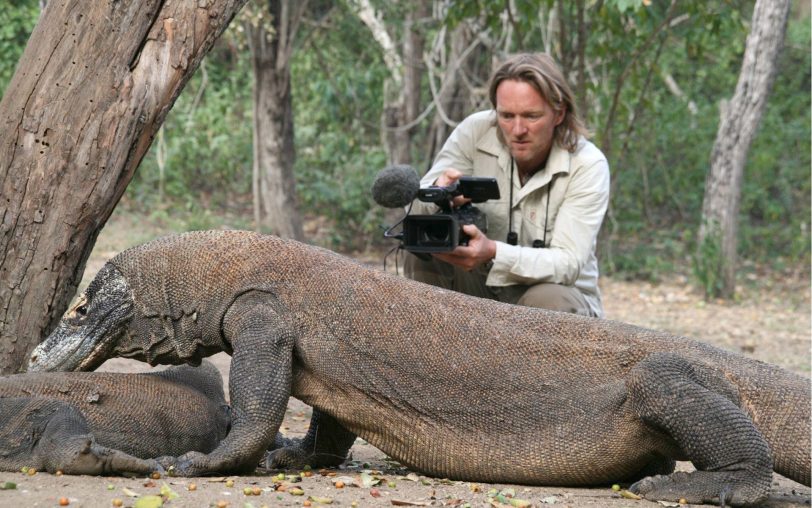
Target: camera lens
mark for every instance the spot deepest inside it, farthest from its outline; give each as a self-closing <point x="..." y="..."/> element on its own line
<point x="436" y="234"/>
<point x="430" y="233"/>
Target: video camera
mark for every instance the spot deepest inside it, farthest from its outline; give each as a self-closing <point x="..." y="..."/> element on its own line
<point x="442" y="231"/>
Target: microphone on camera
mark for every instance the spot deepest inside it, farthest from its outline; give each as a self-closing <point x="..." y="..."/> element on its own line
<point x="396" y="186"/>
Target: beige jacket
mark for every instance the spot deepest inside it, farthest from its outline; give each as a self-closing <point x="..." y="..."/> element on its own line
<point x="578" y="202"/>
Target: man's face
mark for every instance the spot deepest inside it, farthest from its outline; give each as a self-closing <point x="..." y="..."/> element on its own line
<point x="527" y="123"/>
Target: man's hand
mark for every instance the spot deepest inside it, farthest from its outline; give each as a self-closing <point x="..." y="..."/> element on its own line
<point x="480" y="250"/>
<point x="448" y="177"/>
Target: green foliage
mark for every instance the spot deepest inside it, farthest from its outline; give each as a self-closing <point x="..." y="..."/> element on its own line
<point x="206" y="140"/>
<point x="626" y="5"/>
<point x="776" y="187"/>
<point x="660" y="163"/>
<point x="646" y="257"/>
<point x="337" y="97"/>
<point x="17" y="20"/>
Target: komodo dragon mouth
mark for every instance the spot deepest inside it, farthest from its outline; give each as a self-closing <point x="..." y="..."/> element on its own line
<point x="66" y="351"/>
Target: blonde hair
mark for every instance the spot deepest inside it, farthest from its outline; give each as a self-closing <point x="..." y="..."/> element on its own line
<point x="540" y="71"/>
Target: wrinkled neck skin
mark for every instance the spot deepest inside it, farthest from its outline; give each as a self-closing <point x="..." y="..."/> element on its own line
<point x="162" y="339"/>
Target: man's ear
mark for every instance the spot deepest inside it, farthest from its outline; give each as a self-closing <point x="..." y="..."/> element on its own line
<point x="560" y="116"/>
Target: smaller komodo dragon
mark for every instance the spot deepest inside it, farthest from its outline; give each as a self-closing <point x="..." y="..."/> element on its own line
<point x="109" y="423"/>
<point x="449" y="385"/>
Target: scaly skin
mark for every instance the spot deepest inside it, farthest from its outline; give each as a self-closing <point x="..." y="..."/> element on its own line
<point x="109" y="423"/>
<point x="449" y="385"/>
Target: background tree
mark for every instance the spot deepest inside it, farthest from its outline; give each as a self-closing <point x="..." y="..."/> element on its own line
<point x="75" y="127"/>
<point x="459" y="64"/>
<point x="404" y="61"/>
<point x="739" y="123"/>
<point x="271" y="32"/>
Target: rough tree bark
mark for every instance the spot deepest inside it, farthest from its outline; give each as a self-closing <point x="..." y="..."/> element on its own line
<point x="739" y="122"/>
<point x="407" y="109"/>
<point x="93" y="86"/>
<point x="271" y="42"/>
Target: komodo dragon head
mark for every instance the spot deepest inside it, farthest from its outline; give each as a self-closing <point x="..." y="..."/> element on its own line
<point x="89" y="331"/>
<point x="161" y="302"/>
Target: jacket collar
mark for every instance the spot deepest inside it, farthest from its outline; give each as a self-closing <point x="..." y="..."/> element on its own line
<point x="559" y="160"/>
<point x="558" y="163"/>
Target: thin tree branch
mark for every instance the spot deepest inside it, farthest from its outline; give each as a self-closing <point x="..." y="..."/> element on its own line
<point x="631" y="62"/>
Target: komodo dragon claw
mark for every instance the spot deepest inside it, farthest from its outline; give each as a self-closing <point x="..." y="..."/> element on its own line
<point x="326" y="444"/>
<point x="293" y="454"/>
<point x="294" y="457"/>
<point x="189" y="464"/>
<point x="697" y="487"/>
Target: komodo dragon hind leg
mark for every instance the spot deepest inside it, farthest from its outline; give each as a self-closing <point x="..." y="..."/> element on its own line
<point x="89" y="458"/>
<point x="732" y="458"/>
<point x="325" y="444"/>
<point x="67" y="445"/>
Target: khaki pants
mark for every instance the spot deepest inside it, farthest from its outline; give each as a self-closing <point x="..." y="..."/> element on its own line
<point x="544" y="295"/>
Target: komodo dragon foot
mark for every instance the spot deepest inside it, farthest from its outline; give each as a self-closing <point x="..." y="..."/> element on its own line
<point x="326" y="444"/>
<point x="297" y="456"/>
<point x="700" y="487"/>
<point x="696" y="408"/>
<point x="90" y="458"/>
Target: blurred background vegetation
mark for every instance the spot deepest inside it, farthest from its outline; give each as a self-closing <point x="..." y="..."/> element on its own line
<point x="652" y="84"/>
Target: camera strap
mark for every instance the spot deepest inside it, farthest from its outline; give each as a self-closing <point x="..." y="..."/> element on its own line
<point x="512" y="236"/>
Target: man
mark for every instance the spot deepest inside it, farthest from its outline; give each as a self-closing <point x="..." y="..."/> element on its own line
<point x="539" y="249"/>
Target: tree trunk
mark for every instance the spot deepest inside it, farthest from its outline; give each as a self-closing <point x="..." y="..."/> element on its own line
<point x="406" y="107"/>
<point x="401" y="94"/>
<point x="275" y="203"/>
<point x="92" y="88"/>
<point x="454" y="98"/>
<point x="738" y="125"/>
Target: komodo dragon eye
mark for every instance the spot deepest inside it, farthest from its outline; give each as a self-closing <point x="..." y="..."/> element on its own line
<point x="79" y="309"/>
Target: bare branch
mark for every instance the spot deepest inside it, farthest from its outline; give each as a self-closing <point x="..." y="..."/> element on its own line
<point x="373" y="21"/>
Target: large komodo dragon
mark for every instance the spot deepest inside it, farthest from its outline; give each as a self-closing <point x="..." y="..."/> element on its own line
<point x="109" y="423"/>
<point x="449" y="385"/>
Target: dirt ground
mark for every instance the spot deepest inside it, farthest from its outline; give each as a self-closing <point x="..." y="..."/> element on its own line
<point x="770" y="321"/>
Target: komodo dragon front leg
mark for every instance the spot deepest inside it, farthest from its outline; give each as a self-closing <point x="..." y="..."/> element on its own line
<point x="259" y="390"/>
<point x="700" y="414"/>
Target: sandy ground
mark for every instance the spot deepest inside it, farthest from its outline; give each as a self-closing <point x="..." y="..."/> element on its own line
<point x="771" y="324"/>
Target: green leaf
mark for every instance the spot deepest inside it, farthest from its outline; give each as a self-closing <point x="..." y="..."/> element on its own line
<point x="151" y="501"/>
<point x="168" y="493"/>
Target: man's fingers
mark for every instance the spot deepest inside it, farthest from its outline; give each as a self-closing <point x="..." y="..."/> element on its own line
<point x="453" y="174"/>
<point x="448" y="177"/>
<point x="471" y="230"/>
<point x="458" y="201"/>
